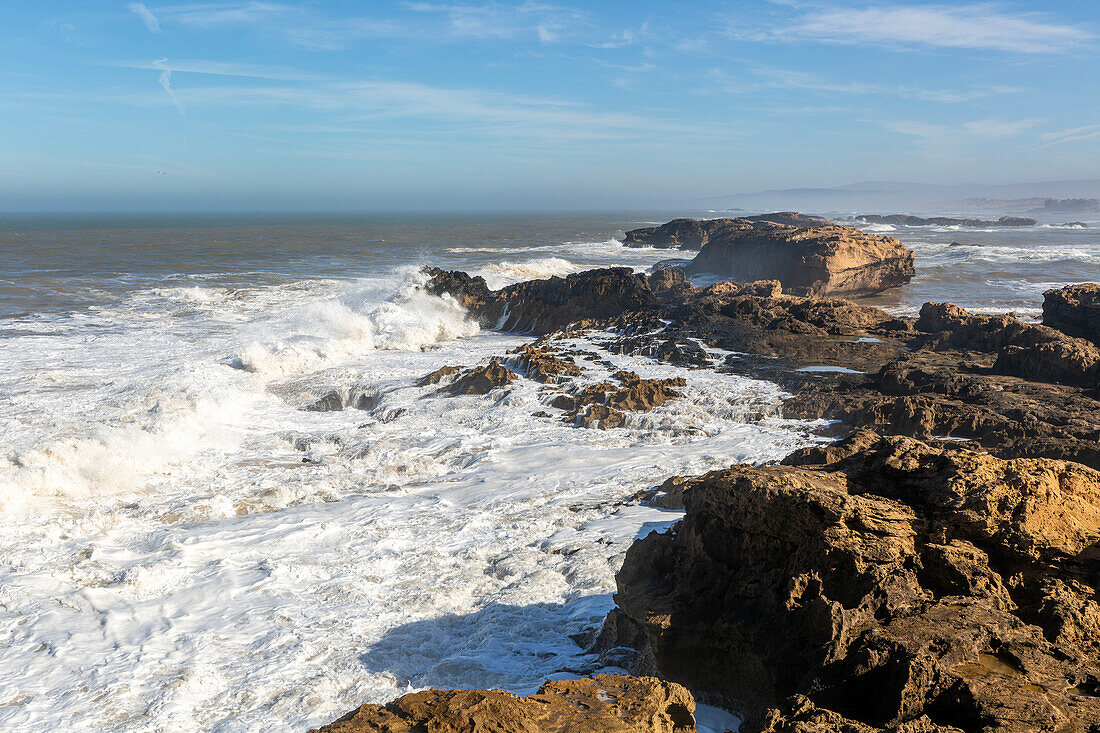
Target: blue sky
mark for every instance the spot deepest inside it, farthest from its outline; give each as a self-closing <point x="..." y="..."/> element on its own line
<point x="435" y="105"/>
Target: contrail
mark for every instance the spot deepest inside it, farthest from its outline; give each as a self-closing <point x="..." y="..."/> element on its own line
<point x="146" y="16"/>
<point x="166" y="82"/>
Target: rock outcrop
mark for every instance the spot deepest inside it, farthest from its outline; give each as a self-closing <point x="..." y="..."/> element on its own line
<point x="481" y="380"/>
<point x="822" y="260"/>
<point x="603" y="404"/>
<point x="895" y="584"/>
<point x="694" y="233"/>
<point x="1026" y="350"/>
<point x="543" y="306"/>
<point x="1074" y="310"/>
<point x="600" y="704"/>
<point x="945" y="221"/>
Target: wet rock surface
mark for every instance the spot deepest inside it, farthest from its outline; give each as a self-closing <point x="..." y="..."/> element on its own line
<point x="601" y="704"/>
<point x="887" y="580"/>
<point x="481" y="380"/>
<point x="1074" y="310"/>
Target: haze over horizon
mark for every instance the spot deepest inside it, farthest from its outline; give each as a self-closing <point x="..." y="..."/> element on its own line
<point x="422" y="105"/>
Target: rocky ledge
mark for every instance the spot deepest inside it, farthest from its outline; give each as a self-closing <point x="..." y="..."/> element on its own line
<point x="601" y="704"/>
<point x="887" y="581"/>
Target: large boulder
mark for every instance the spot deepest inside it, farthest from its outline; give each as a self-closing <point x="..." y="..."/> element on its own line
<point x="1074" y="310"/>
<point x="894" y="583"/>
<point x="600" y="704"/>
<point x="821" y="260"/>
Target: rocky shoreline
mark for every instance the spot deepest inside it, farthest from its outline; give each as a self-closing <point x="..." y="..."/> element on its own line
<point x="936" y="569"/>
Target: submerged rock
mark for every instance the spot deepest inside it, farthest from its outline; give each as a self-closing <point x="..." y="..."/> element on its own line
<point x="358" y="398"/>
<point x="600" y="704"/>
<point x="895" y="584"/>
<point x="1074" y="310"/>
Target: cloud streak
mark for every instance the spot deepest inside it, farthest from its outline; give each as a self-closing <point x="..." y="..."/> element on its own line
<point x="222" y="68"/>
<point x="1076" y="134"/>
<point x="146" y="16"/>
<point x="769" y="77"/>
<point x="165" y="80"/>
<point x="981" y="26"/>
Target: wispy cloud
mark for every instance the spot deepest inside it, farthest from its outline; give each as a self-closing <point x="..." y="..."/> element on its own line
<point x="165" y="80"/>
<point x="301" y="26"/>
<point x="361" y="107"/>
<point x="981" y="26"/>
<point x="969" y="131"/>
<point x="209" y="15"/>
<point x="763" y="77"/>
<point x="1087" y="132"/>
<point x="222" y="68"/>
<point x="501" y="20"/>
<point x="146" y="16"/>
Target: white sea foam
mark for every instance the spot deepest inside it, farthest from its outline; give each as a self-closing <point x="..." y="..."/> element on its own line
<point x="232" y="562"/>
<point x="377" y="316"/>
<point x="499" y="274"/>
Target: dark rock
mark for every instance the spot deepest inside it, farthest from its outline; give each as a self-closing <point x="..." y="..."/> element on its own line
<point x="600" y="704"/>
<point x="482" y="380"/>
<point x="916" y="221"/>
<point x="694" y="233"/>
<point x="358" y="398"/>
<point x="544" y="306"/>
<point x="542" y="364"/>
<point x="1074" y="310"/>
<point x="1026" y="350"/>
<point x="439" y="375"/>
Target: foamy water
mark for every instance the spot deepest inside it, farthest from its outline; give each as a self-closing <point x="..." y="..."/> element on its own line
<point x="185" y="548"/>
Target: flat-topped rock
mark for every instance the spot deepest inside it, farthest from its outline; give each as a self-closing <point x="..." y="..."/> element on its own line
<point x="600" y="704"/>
<point x="826" y="260"/>
<point x="694" y="233"/>
<point x="1074" y="310"/>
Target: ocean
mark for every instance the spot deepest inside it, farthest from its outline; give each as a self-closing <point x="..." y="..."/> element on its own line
<point x="184" y="547"/>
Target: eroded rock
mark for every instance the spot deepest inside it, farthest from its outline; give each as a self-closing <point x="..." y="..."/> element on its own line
<point x="1074" y="310"/>
<point x="820" y="260"/>
<point x="887" y="580"/>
